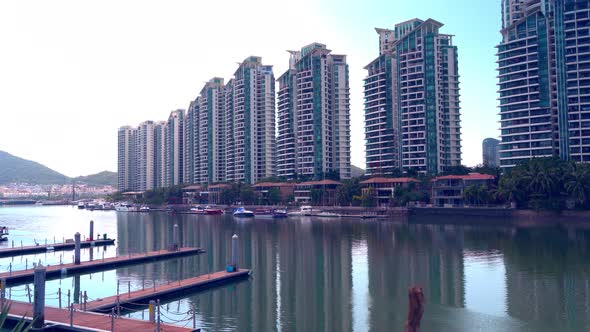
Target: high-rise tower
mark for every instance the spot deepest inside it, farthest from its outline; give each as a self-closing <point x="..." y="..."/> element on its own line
<point x="314" y="115"/>
<point x="412" y="111"/>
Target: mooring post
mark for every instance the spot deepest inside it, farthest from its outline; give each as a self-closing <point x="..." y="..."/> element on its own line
<point x="71" y="314"/>
<point x="113" y="319"/>
<point x="39" y="304"/>
<point x="154" y="285"/>
<point x="69" y="302"/>
<point x="117" y="287"/>
<point x="128" y="288"/>
<point x="59" y="296"/>
<point x="152" y="311"/>
<point x="26" y="263"/>
<point x="194" y="316"/>
<point x="91" y="230"/>
<point x="10" y="268"/>
<point x="13" y="243"/>
<point x="60" y="260"/>
<point x="235" y="252"/>
<point x="158" y="326"/>
<point x="118" y="307"/>
<point x="416" y="309"/>
<point x="3" y="292"/>
<point x="29" y="293"/>
<point x="85" y="300"/>
<point x="176" y="236"/>
<point x="77" y="249"/>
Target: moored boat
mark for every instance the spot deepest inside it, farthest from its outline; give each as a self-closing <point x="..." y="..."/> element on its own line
<point x="263" y="213"/>
<point x="279" y="213"/>
<point x="198" y="210"/>
<point x="126" y="207"/>
<point x="81" y="205"/>
<point x="243" y="213"/>
<point x="305" y="210"/>
<point x="326" y="214"/>
<point x="211" y="210"/>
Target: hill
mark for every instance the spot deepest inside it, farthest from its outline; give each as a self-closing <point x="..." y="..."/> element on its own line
<point x="15" y="169"/>
<point x="356" y="171"/>
<point x="104" y="178"/>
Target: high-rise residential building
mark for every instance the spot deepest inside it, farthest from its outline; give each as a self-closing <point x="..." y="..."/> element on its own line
<point x="146" y="156"/>
<point x="174" y="153"/>
<point x="211" y="133"/>
<point x="189" y="142"/>
<point x="544" y="80"/>
<point x="250" y="122"/>
<point x="314" y="97"/>
<point x="160" y="141"/>
<point x="412" y="111"/>
<point x="126" y="165"/>
<point x="491" y="152"/>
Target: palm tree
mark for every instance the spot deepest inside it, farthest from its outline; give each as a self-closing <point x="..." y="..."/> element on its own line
<point x="509" y="190"/>
<point x="577" y="185"/>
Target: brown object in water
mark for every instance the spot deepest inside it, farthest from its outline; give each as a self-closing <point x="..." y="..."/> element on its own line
<point x="416" y="309"/>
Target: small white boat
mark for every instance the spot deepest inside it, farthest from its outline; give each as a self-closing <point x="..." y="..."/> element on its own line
<point x="305" y="210"/>
<point x="328" y="215"/>
<point x="126" y="207"/>
<point x="144" y="209"/>
<point x="243" y="213"/>
<point x="81" y="205"/>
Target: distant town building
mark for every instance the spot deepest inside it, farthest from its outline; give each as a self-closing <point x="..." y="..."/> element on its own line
<point x="412" y="112"/>
<point x="314" y="115"/>
<point x="210" y="134"/>
<point x="126" y="159"/>
<point x="544" y="80"/>
<point x="491" y="152"/>
<point x="160" y="141"/>
<point x="384" y="188"/>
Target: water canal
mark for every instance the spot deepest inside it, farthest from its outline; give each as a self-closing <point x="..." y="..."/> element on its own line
<point x="329" y="275"/>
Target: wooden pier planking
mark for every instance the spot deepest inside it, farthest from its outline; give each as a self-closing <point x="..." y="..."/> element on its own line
<point x="19" y="251"/>
<point x="164" y="290"/>
<point x="55" y="271"/>
<point x="91" y="320"/>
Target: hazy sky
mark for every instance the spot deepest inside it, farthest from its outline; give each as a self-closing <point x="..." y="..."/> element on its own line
<point x="72" y="72"/>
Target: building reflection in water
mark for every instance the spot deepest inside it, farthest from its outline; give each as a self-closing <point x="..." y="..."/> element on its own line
<point x="345" y="275"/>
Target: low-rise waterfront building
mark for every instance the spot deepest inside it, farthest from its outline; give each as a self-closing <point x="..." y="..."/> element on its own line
<point x="449" y="190"/>
<point x="214" y="192"/>
<point x="285" y="189"/>
<point x="384" y="188"/>
<point x="318" y="192"/>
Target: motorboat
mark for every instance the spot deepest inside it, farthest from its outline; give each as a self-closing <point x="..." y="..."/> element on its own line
<point x="198" y="210"/>
<point x="211" y="210"/>
<point x="81" y="205"/>
<point x="144" y="208"/>
<point x="263" y="213"/>
<point x="126" y="207"/>
<point x="326" y="214"/>
<point x="305" y="210"/>
<point x="3" y="233"/>
<point x="279" y="213"/>
<point x="243" y="213"/>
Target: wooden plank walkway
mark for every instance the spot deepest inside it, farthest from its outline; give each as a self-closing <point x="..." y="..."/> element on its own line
<point x="142" y="297"/>
<point x="89" y="320"/>
<point x="56" y="271"/>
<point x="18" y="251"/>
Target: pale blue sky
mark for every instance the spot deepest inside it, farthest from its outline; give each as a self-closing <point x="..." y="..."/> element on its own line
<point x="72" y="72"/>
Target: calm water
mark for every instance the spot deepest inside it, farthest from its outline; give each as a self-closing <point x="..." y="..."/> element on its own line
<point x="331" y="275"/>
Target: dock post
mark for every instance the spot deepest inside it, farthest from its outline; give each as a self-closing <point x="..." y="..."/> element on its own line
<point x="158" y="326"/>
<point x="176" y="236"/>
<point x="59" y="296"/>
<point x="10" y="268"/>
<point x="194" y="316"/>
<point x="29" y="292"/>
<point x="154" y="285"/>
<point x="118" y="307"/>
<point x="117" y="287"/>
<point x="13" y="243"/>
<point x="26" y="263"/>
<point x="91" y="230"/>
<point x="71" y="314"/>
<point x="60" y="260"/>
<point x="152" y="311"/>
<point x="85" y="300"/>
<point x="77" y="249"/>
<point x="113" y="319"/>
<point x="39" y="304"/>
<point x="69" y="302"/>
<point x="235" y="251"/>
<point x="3" y="291"/>
<point x="128" y="288"/>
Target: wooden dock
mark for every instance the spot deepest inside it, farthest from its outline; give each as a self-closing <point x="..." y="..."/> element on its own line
<point x="19" y="251"/>
<point x="57" y="271"/>
<point x="88" y="321"/>
<point x="140" y="298"/>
